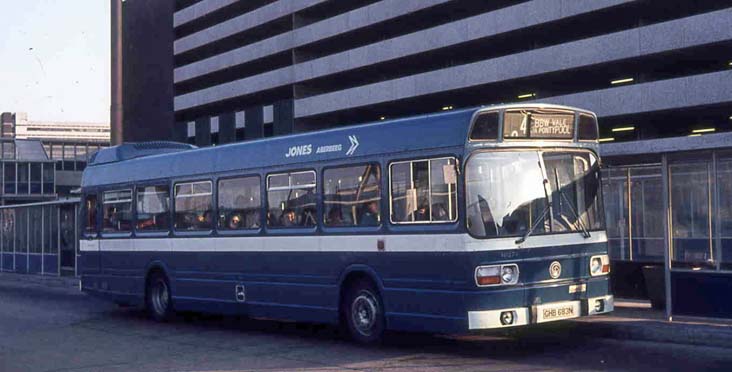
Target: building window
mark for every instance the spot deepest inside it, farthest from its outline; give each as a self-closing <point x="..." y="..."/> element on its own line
<point x="117" y="212"/>
<point x="35" y="178"/>
<point x="48" y="178"/>
<point x="424" y="191"/>
<point x="153" y="206"/>
<point x="23" y="178"/>
<point x="291" y="199"/>
<point x="352" y="196"/>
<point x="10" y="178"/>
<point x="193" y="206"/>
<point x="239" y="203"/>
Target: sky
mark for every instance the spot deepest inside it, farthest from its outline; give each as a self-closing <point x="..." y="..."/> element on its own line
<point x="54" y="59"/>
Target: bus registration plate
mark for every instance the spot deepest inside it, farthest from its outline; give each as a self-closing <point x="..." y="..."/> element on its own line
<point x="557" y="311"/>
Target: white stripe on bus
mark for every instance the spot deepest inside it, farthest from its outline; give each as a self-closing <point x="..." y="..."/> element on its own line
<point x="345" y="243"/>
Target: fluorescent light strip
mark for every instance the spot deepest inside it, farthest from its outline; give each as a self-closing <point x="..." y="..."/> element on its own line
<point x="695" y="135"/>
<point x="528" y="95"/>
<point x="609" y="139"/>
<point x="621" y="81"/>
<point x="704" y="130"/>
<point x="445" y="108"/>
<point x="623" y="129"/>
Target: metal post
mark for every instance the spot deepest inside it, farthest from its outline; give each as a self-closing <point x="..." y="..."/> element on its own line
<point x="15" y="230"/>
<point x="116" y="68"/>
<point x="2" y="239"/>
<point x="43" y="232"/>
<point x="629" y="200"/>
<point x="665" y="174"/>
<point x="76" y="239"/>
<point x="58" y="238"/>
<point x="27" y="233"/>
<point x="717" y="211"/>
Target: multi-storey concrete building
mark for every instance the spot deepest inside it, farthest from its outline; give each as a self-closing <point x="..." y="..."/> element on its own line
<point x="303" y="65"/>
<point x="658" y="74"/>
<point x="60" y="130"/>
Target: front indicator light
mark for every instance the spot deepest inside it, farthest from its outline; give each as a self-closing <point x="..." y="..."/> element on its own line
<point x="488" y="275"/>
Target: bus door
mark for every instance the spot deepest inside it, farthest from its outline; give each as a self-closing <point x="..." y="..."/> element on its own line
<point x="89" y="243"/>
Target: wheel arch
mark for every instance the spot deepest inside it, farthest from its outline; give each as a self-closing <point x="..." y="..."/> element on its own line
<point x="355" y="272"/>
<point x="153" y="267"/>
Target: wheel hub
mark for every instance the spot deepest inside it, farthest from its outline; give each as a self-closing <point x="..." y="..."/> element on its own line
<point x="364" y="312"/>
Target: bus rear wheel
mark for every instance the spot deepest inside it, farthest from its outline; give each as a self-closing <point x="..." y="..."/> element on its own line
<point x="158" y="298"/>
<point x="364" y="313"/>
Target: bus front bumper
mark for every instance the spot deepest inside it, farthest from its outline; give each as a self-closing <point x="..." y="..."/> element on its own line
<point x="548" y="312"/>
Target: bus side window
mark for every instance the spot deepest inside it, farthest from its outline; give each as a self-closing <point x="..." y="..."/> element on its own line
<point x="117" y="208"/>
<point x="352" y="196"/>
<point x="291" y="199"/>
<point x="239" y="203"/>
<point x="193" y="206"/>
<point x="90" y="215"/>
<point x="424" y="191"/>
<point x="153" y="205"/>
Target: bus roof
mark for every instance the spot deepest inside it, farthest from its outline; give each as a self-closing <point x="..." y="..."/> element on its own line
<point x="441" y="130"/>
<point x="433" y="131"/>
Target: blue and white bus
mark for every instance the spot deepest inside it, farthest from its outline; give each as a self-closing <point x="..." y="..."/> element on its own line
<point x="463" y="220"/>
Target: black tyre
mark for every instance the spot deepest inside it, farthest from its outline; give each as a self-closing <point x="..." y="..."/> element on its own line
<point x="363" y="312"/>
<point x="158" y="298"/>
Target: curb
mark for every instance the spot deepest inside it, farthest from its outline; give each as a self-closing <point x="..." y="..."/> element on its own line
<point x="658" y="331"/>
<point x="50" y="281"/>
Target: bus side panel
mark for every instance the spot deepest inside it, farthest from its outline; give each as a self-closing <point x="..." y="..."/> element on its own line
<point x="282" y="285"/>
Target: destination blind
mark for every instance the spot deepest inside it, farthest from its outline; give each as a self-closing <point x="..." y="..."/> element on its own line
<point x="538" y="124"/>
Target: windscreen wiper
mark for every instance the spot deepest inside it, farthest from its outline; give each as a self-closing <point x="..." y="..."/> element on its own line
<point x="585" y="233"/>
<point x="533" y="226"/>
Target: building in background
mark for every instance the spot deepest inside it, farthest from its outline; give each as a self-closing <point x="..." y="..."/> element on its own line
<point x="28" y="174"/>
<point x="66" y="146"/>
<point x="147" y="71"/>
<point x="59" y="130"/>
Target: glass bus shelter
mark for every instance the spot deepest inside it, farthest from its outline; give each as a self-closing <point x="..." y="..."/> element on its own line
<point x="40" y="238"/>
<point x="669" y="223"/>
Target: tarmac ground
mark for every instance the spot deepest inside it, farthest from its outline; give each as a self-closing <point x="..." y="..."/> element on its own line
<point x="51" y="326"/>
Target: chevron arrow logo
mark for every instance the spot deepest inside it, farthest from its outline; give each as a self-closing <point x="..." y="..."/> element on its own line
<point x="354" y="145"/>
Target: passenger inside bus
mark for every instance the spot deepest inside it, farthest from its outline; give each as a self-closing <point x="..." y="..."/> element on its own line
<point x="439" y="213"/>
<point x="288" y="218"/>
<point x="370" y="216"/>
<point x="421" y="214"/>
<point x="334" y="217"/>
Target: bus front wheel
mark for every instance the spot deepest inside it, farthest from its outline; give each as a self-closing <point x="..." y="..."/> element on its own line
<point x="158" y="298"/>
<point x="364" y="313"/>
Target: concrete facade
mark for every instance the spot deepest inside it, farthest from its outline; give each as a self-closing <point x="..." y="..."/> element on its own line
<point x="293" y="66"/>
<point x="316" y="64"/>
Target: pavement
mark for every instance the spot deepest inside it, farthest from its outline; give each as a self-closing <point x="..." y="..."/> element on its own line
<point x="46" y="324"/>
<point x="635" y="320"/>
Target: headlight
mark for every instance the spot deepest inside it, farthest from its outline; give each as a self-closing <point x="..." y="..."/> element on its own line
<point x="595" y="265"/>
<point x="599" y="265"/>
<point x="508" y="274"/>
